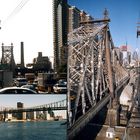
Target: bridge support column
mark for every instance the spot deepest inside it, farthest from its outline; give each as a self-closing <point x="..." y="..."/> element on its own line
<point x="45" y="115"/>
<point x="113" y="115"/>
<point x="32" y="115"/>
<point x="24" y="115"/>
<point x="48" y="116"/>
<point x="4" y="117"/>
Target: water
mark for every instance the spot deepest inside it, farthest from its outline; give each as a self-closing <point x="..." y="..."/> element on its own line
<point x="43" y="130"/>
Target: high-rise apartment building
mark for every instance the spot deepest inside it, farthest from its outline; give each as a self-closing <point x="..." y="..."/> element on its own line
<point x="60" y="23"/>
<point x="65" y="19"/>
<point x="74" y="18"/>
<point x="84" y="16"/>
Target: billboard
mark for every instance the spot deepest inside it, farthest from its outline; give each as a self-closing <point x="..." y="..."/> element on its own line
<point x="123" y="48"/>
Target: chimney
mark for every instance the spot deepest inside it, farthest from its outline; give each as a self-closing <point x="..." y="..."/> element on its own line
<point x="22" y="54"/>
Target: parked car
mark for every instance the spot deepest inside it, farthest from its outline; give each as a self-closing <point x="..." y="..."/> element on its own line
<point x="62" y="81"/>
<point x="60" y="88"/>
<point x="16" y="90"/>
<point x="20" y="82"/>
<point x="30" y="86"/>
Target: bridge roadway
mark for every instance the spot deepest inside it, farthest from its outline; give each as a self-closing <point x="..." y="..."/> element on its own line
<point x="33" y="109"/>
<point x="78" y="126"/>
<point x="129" y="126"/>
<point x="83" y="120"/>
<point x="60" y="105"/>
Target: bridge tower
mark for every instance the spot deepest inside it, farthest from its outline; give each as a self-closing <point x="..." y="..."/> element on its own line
<point x="21" y="115"/>
<point x="8" y="56"/>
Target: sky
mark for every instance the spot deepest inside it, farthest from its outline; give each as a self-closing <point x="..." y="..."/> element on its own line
<point x="124" y="15"/>
<point x="29" y="21"/>
<point x="31" y="100"/>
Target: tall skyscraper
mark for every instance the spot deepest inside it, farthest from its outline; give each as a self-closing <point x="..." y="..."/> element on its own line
<point x="60" y="23"/>
<point x="129" y="57"/>
<point x="135" y="56"/>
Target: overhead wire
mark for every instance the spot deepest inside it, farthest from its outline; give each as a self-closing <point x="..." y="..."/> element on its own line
<point x="16" y="10"/>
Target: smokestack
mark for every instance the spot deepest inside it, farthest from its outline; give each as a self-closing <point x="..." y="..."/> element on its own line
<point x="22" y="54"/>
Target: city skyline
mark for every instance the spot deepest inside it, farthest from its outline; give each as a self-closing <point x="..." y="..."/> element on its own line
<point x="29" y="100"/>
<point x="123" y="15"/>
<point x="30" y="22"/>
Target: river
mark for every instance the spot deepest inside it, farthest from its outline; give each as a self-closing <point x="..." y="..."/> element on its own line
<point x="41" y="130"/>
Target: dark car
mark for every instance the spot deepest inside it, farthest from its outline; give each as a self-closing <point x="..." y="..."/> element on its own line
<point x="20" y="82"/>
<point x="16" y="90"/>
<point x="30" y="86"/>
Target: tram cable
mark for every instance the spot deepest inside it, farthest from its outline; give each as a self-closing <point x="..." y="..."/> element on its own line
<point x="16" y="10"/>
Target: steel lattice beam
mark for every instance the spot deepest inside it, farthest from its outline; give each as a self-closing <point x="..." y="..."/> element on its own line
<point x="91" y="68"/>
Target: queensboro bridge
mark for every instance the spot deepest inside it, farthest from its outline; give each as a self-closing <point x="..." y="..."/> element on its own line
<point x="7" y="60"/>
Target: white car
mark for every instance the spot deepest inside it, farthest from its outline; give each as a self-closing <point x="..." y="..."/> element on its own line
<point x="60" y="88"/>
<point x="16" y="90"/>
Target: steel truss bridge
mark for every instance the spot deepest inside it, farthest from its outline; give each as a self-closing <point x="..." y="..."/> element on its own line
<point x="60" y="105"/>
<point x="95" y="73"/>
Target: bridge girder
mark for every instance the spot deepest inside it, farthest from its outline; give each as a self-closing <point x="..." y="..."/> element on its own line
<point x="60" y="105"/>
<point x="91" y="68"/>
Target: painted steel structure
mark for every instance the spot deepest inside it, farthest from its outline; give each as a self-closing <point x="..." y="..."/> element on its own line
<point x="8" y="56"/>
<point x="94" y="72"/>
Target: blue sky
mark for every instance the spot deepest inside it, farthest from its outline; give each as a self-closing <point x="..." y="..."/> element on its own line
<point x="124" y="15"/>
<point x="32" y="23"/>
